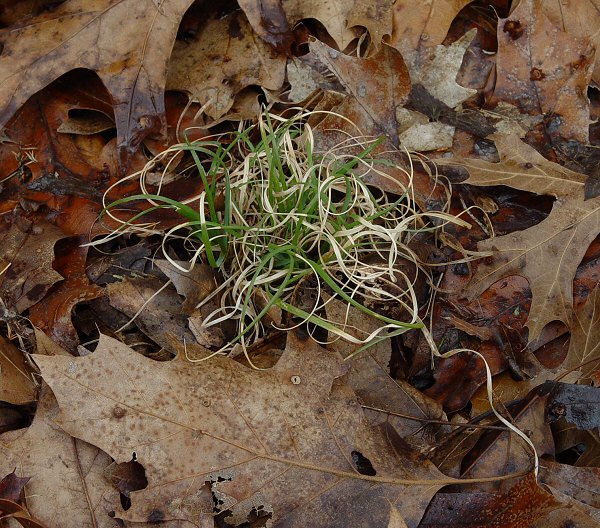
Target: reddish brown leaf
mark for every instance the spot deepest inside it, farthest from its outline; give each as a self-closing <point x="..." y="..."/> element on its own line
<point x="543" y="70"/>
<point x="11" y="486"/>
<point x="53" y="313"/>
<point x="520" y="507"/>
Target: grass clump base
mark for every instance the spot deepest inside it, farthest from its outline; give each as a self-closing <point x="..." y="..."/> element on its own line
<point x="271" y="214"/>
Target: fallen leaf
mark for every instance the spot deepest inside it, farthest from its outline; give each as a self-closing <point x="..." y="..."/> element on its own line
<point x="584" y="345"/>
<point x="578" y="404"/>
<point x="26" y="263"/>
<point x="126" y="42"/>
<point x="212" y="71"/>
<point x="580" y="18"/>
<point x="379" y="84"/>
<point x="286" y="440"/>
<point x="160" y="312"/>
<point x="505" y="452"/>
<point x="87" y="122"/>
<point x="67" y="486"/>
<point x="577" y="482"/>
<point x="544" y="70"/>
<point x="547" y="254"/>
<point x="417" y="31"/>
<point x="396" y="520"/>
<point x="53" y="313"/>
<point x="272" y="19"/>
<point x="11" y="486"/>
<point x="385" y="399"/>
<point x="16" y="381"/>
<point x="439" y="73"/>
<point x="520" y="507"/>
<point x="194" y="285"/>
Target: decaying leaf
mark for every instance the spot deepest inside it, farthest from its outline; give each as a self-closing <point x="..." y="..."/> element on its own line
<point x="16" y="381"/>
<point x="520" y="507"/>
<point x="291" y="441"/>
<point x="53" y="313"/>
<point x="26" y="263"/>
<point x="543" y="70"/>
<point x="127" y="42"/>
<point x="369" y="377"/>
<point x="273" y="19"/>
<point x="194" y="285"/>
<point x="213" y="71"/>
<point x="159" y="313"/>
<point x="580" y="18"/>
<point x="584" y="346"/>
<point x="547" y="254"/>
<point x="67" y="481"/>
<point x="577" y="404"/>
<point x="378" y="84"/>
<point x="416" y="32"/>
<point x="11" y="486"/>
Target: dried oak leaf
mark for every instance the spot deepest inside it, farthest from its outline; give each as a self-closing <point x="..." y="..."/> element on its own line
<point x="369" y="377"/>
<point x="580" y="18"/>
<point x="289" y="440"/>
<point x="584" y="345"/>
<point x="213" y="71"/>
<point x="26" y="263"/>
<point x="67" y="487"/>
<point x="520" y="507"/>
<point x="127" y="42"/>
<point x="12" y="485"/>
<point x="544" y="70"/>
<point x="53" y="313"/>
<point x="273" y="19"/>
<point x="378" y="84"/>
<point x="547" y="254"/>
<point x="16" y="382"/>
<point x="417" y="31"/>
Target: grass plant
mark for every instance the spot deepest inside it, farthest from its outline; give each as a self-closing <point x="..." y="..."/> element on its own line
<point x="271" y="213"/>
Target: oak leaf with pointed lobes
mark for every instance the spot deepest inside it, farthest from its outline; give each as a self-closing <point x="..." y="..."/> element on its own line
<point x="26" y="263"/>
<point x="379" y="84"/>
<point x="580" y="18"/>
<point x="273" y="20"/>
<point x="67" y="485"/>
<point x="126" y="42"/>
<point x="544" y="70"/>
<point x="213" y="73"/>
<point x="285" y="440"/>
<point x="418" y="30"/>
<point x="547" y="254"/>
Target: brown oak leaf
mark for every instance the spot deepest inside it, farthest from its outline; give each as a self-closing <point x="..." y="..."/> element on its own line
<point x="291" y="441"/>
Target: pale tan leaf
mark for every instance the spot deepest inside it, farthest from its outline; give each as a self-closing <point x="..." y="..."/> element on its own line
<point x="396" y="520"/>
<point x="213" y="73"/>
<point x="547" y="254"/>
<point x="284" y="440"/>
<point x="584" y="346"/>
<point x="577" y="17"/>
<point x="67" y="486"/>
<point x="16" y="380"/>
<point x="416" y="31"/>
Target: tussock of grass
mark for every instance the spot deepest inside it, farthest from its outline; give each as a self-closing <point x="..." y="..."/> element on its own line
<point x="272" y="213"/>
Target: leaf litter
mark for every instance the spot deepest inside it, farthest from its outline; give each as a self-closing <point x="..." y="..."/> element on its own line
<point x="343" y="422"/>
